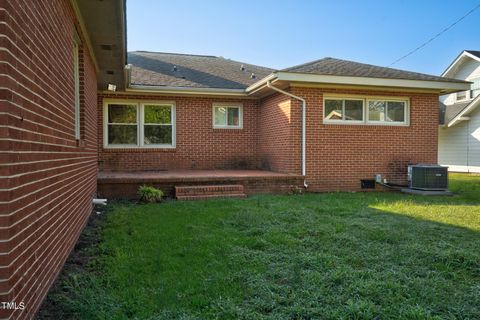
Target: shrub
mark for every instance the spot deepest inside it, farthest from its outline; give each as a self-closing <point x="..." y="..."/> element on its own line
<point x="150" y="194"/>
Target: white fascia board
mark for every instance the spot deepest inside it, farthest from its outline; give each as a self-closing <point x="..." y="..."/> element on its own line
<point x="187" y="90"/>
<point x="461" y="116"/>
<point x="261" y="82"/>
<point x="376" y="82"/>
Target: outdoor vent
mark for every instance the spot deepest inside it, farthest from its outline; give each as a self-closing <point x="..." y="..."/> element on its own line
<point x="109" y="72"/>
<point x="428" y="177"/>
<point x="174" y="68"/>
<point x="367" y="183"/>
<point x="242" y="67"/>
<point x="253" y="76"/>
<point x="106" y="46"/>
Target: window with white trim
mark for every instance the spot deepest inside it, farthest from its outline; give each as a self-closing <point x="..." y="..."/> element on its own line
<point x="343" y="110"/>
<point x="139" y="125"/>
<point x="475" y="89"/>
<point x="387" y="111"/>
<point x="76" y="77"/>
<point x="227" y="116"/>
<point x="461" y="95"/>
<point x="359" y="110"/>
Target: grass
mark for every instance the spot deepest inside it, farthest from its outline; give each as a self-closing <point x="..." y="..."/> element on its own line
<point x="313" y="256"/>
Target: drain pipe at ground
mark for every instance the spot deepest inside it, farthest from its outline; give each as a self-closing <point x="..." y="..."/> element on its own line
<point x="304" y="135"/>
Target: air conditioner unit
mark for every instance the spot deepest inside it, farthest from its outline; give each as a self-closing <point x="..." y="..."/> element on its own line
<point x="427" y="177"/>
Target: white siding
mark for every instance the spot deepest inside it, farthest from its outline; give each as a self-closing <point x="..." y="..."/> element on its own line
<point x="468" y="70"/>
<point x="459" y="146"/>
<point x="474" y="141"/>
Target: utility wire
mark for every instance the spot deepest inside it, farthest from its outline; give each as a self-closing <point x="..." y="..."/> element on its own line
<point x="436" y="36"/>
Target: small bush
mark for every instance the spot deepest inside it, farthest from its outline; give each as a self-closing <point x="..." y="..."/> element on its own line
<point x="150" y="194"/>
<point x="296" y="190"/>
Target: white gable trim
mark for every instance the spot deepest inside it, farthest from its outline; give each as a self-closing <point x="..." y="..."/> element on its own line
<point x="457" y="60"/>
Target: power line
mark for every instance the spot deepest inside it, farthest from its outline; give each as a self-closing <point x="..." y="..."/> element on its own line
<point x="436" y="36"/>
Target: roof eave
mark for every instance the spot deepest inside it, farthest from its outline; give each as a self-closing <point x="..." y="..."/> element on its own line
<point x="186" y="90"/>
<point x="442" y="87"/>
<point x="105" y="24"/>
<point x="470" y="107"/>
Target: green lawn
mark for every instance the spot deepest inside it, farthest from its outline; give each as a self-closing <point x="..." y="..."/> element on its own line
<point x="313" y="256"/>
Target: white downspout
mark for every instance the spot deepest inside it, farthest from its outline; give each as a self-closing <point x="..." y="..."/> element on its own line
<point x="304" y="129"/>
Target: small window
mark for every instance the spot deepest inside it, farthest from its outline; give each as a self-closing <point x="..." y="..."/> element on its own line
<point x="475" y="88"/>
<point x="462" y="95"/>
<point x="76" y="76"/>
<point x="387" y="111"/>
<point x="343" y="110"/>
<point x="122" y="124"/>
<point x="225" y="116"/>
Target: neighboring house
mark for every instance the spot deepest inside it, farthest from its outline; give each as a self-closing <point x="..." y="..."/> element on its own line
<point x="459" y="131"/>
<point x="54" y="56"/>
<point x="183" y="112"/>
<point x="175" y="120"/>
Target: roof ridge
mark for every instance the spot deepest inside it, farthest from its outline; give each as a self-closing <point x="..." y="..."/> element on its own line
<point x="306" y="63"/>
<point x="369" y="65"/>
<point x="175" y="53"/>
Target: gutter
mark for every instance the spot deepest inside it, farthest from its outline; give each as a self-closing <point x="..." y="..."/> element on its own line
<point x="186" y="90"/>
<point x="304" y="118"/>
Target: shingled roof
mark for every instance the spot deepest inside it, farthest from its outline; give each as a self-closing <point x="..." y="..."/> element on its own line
<point x="448" y="113"/>
<point x="160" y="69"/>
<point x="194" y="71"/>
<point x="337" y="67"/>
<point x="474" y="52"/>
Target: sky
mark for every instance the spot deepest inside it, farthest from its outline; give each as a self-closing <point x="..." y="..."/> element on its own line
<point x="280" y="34"/>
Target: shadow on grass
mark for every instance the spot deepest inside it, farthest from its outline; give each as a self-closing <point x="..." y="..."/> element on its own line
<point x="316" y="256"/>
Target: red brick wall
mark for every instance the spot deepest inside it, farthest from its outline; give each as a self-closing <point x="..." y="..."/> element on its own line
<point x="338" y="156"/>
<point x="47" y="181"/>
<point x="276" y="135"/>
<point x="198" y="144"/>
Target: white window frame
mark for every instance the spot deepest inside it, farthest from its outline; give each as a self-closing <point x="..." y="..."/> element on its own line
<point x="365" y="120"/>
<point x="76" y="76"/>
<point x="140" y="106"/>
<point x="473" y="88"/>
<point x="343" y="121"/>
<point x="405" y="122"/>
<point x="461" y="99"/>
<point x="228" y="105"/>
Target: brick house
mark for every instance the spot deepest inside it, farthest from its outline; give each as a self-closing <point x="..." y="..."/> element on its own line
<point x="175" y="120"/>
<point x="52" y="62"/>
<point x="360" y="120"/>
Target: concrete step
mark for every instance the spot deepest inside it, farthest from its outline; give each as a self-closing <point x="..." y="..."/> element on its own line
<point x="211" y="196"/>
<point x="209" y="190"/>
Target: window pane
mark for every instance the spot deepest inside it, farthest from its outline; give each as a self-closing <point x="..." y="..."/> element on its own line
<point x="220" y="116"/>
<point x="157" y="134"/>
<point x="122" y="134"/>
<point x="333" y="109"/>
<point x="461" y="95"/>
<point x="376" y="110"/>
<point x="354" y="110"/>
<point x="121" y="113"/>
<point x="396" y="111"/>
<point x="233" y="116"/>
<point x="158" y="114"/>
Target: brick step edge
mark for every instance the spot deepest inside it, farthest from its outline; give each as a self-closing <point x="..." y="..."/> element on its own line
<point x="208" y="189"/>
<point x="211" y="196"/>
